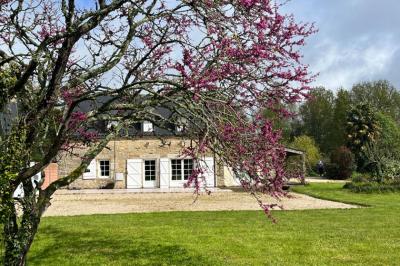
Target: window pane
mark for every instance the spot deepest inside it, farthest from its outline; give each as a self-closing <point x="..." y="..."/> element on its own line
<point x="176" y="167"/>
<point x="150" y="170"/>
<point x="147" y="126"/>
<point x="104" y="168"/>
<point x="187" y="168"/>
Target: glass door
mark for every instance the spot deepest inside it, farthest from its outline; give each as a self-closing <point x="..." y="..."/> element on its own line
<point x="150" y="174"/>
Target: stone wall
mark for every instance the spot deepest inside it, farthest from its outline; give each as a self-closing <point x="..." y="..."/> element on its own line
<point x="119" y="151"/>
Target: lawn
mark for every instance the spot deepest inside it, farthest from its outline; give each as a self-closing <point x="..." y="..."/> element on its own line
<point x="365" y="236"/>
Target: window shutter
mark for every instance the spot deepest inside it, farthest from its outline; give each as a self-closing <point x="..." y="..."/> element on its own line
<point x="164" y="172"/>
<point x="19" y="191"/>
<point x="36" y="178"/>
<point x="91" y="174"/>
<point x="134" y="173"/>
<point x="209" y="174"/>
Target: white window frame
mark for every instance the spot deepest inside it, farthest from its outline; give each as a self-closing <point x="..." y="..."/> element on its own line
<point x="147" y="127"/>
<point x="181" y="126"/>
<point x="99" y="168"/>
<point x="182" y="168"/>
<point x="111" y="124"/>
<point x="144" y="170"/>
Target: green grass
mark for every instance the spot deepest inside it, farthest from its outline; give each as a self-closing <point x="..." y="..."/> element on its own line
<point x="365" y="236"/>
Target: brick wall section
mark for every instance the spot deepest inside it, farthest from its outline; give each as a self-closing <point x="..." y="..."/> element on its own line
<point x="119" y="151"/>
<point x="50" y="174"/>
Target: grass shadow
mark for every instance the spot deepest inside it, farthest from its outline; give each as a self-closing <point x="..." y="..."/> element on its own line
<point x="58" y="246"/>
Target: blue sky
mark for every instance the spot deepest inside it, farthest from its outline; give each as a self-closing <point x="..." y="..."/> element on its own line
<point x="358" y="40"/>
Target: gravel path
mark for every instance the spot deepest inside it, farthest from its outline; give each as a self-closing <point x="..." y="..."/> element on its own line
<point x="79" y="204"/>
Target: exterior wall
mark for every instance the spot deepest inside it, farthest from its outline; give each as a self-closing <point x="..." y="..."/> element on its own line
<point x="118" y="152"/>
<point x="229" y="177"/>
<point x="50" y="174"/>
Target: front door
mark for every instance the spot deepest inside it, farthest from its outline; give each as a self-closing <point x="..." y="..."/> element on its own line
<point x="150" y="174"/>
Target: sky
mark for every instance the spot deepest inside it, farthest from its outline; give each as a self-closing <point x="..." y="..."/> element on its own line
<point x="358" y="40"/>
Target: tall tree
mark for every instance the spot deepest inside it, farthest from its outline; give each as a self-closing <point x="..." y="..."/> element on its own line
<point x="214" y="63"/>
<point x="362" y="130"/>
<point x="380" y="94"/>
<point x="342" y="106"/>
<point x="317" y="115"/>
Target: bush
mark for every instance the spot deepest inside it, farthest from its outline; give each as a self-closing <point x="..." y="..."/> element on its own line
<point x="342" y="164"/>
<point x="373" y="187"/>
<point x="357" y="177"/>
<point x="391" y="169"/>
<point x="331" y="170"/>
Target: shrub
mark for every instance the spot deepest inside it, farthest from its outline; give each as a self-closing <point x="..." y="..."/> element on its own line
<point x="342" y="161"/>
<point x="331" y="170"/>
<point x="391" y="169"/>
<point x="357" y="177"/>
<point x="373" y="187"/>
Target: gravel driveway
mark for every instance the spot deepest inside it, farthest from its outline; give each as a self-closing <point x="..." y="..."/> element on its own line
<point x="64" y="204"/>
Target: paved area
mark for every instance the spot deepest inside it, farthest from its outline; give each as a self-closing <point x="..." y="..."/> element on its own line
<point x="135" y="190"/>
<point x="318" y="179"/>
<point x="74" y="203"/>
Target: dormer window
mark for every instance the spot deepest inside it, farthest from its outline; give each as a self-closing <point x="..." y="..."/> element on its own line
<point x="181" y="125"/>
<point x="180" y="128"/>
<point x="112" y="124"/>
<point x="148" y="127"/>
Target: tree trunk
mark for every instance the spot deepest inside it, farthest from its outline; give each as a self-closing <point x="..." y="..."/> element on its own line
<point x="19" y="232"/>
<point x="18" y="240"/>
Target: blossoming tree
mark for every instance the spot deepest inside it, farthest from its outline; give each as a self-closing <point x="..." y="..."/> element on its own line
<point x="217" y="64"/>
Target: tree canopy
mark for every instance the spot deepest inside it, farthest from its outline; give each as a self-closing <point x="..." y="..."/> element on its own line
<point x="213" y="63"/>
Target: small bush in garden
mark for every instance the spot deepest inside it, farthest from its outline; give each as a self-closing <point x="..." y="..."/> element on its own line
<point x="357" y="177"/>
<point x="331" y="170"/>
<point x="391" y="170"/>
<point x="373" y="187"/>
<point x="343" y="160"/>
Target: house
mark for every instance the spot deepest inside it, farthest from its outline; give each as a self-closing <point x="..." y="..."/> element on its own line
<point x="148" y="161"/>
<point x="142" y="156"/>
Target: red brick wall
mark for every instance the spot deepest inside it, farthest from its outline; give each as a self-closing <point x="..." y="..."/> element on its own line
<point x="51" y="174"/>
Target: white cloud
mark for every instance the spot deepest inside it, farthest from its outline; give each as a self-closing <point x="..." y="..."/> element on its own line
<point x="358" y="40"/>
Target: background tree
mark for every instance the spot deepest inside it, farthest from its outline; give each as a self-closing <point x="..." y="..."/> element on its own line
<point x="382" y="155"/>
<point x="317" y="115"/>
<point x="389" y="133"/>
<point x="380" y="94"/>
<point x="289" y="125"/>
<point x="362" y="130"/>
<point x="213" y="63"/>
<point x="342" y="105"/>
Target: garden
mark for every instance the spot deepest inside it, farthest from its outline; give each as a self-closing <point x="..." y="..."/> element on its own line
<point x="353" y="133"/>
